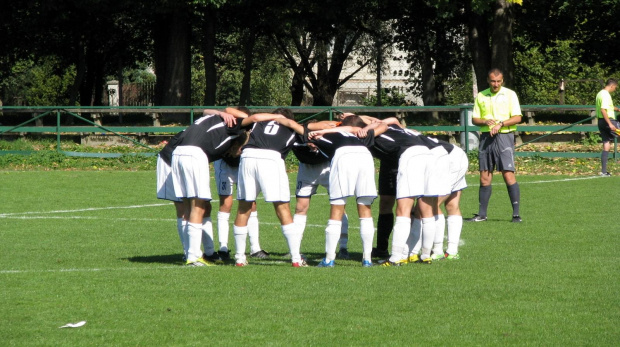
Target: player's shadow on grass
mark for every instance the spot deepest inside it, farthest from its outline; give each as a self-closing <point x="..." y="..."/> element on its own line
<point x="176" y="258"/>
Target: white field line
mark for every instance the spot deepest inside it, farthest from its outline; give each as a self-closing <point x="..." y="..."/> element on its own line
<point x="16" y="215"/>
<point x="28" y="215"/>
<point x="166" y="267"/>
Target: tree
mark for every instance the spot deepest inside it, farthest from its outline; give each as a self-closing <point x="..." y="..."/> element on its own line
<point x="432" y="35"/>
<point x="318" y="43"/>
<point x="491" y="20"/>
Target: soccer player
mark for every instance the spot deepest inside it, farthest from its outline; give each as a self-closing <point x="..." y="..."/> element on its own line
<point x="226" y="171"/>
<point x="262" y="169"/>
<point x="607" y="123"/>
<point x="314" y="172"/>
<point x="387" y="198"/>
<point x="165" y="187"/>
<point x="422" y="165"/>
<point x="458" y="168"/>
<point x="352" y="173"/>
<point x="208" y="139"/>
<point x="497" y="112"/>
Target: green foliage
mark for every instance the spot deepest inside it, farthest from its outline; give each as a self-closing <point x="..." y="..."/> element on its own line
<point x="591" y="139"/>
<point x="42" y="82"/>
<point x="459" y="88"/>
<point x="389" y="97"/>
<point x="538" y="72"/>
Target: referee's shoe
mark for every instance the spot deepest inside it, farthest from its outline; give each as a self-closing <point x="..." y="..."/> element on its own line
<point x="477" y="218"/>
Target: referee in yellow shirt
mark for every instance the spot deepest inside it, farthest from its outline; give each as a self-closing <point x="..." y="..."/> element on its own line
<point x="497" y="112"/>
<point x="607" y="123"/>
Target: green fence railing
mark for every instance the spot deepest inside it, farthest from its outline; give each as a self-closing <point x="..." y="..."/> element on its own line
<point x="464" y="130"/>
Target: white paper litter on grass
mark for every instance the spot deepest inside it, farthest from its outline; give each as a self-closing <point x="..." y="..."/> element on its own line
<point x="73" y="325"/>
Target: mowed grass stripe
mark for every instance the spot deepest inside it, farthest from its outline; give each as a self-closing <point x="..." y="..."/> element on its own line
<point x="552" y="280"/>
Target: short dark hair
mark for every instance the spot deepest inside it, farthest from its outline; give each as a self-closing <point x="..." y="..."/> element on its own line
<point x="285" y="112"/>
<point x="244" y="110"/>
<point x="495" y="71"/>
<point x="611" y="82"/>
<point x="354" y="121"/>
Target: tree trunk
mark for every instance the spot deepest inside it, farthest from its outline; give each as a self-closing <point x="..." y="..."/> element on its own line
<point x="297" y="86"/>
<point x="478" y="36"/>
<point x="248" y="55"/>
<point x="322" y="93"/>
<point x="429" y="91"/>
<point x="79" y="74"/>
<point x="209" y="57"/>
<point x="173" y="60"/>
<point x="501" y="57"/>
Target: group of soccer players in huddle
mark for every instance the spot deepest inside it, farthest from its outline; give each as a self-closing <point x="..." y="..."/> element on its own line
<point x="417" y="172"/>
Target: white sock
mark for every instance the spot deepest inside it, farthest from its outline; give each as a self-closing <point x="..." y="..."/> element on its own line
<point x="414" y="242"/>
<point x="402" y="227"/>
<point x="428" y="236"/>
<point x="455" y="225"/>
<point x="440" y="232"/>
<point x="207" y="236"/>
<point x="241" y="234"/>
<point x="253" y="232"/>
<point x="194" y="237"/>
<point x="300" y="222"/>
<point x="293" y="239"/>
<point x="223" y="230"/>
<point x="344" y="232"/>
<point x="367" y="233"/>
<point x="332" y="233"/>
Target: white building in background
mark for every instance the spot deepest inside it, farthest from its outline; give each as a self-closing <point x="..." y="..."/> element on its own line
<point x="396" y="72"/>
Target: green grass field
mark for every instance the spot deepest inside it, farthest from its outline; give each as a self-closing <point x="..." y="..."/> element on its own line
<point x="99" y="247"/>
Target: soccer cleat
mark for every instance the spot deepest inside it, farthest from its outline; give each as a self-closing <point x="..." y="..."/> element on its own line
<point x="344" y="254"/>
<point x="605" y="174"/>
<point x="380" y="253"/>
<point x="241" y="263"/>
<point x="366" y="263"/>
<point x="438" y="256"/>
<point x="213" y="258"/>
<point x="301" y="263"/>
<point x="476" y="218"/>
<point x="413" y="258"/>
<point x="387" y="262"/>
<point x="516" y="219"/>
<point x="224" y="255"/>
<point x="260" y="254"/>
<point x="452" y="256"/>
<point x="199" y="262"/>
<point x="427" y="261"/>
<point x="325" y="263"/>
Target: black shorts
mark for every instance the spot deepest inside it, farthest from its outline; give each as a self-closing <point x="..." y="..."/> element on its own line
<point x="606" y="134"/>
<point x="388" y="170"/>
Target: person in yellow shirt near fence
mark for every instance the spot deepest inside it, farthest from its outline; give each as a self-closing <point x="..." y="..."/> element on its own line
<point x="497" y="112"/>
<point x="607" y="123"/>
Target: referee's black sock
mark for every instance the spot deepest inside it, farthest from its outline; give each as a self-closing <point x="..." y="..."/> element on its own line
<point x="604" y="157"/>
<point x="385" y="223"/>
<point x="484" y="195"/>
<point x="515" y="197"/>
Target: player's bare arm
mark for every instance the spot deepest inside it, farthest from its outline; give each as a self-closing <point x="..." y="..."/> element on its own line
<point x="236" y="113"/>
<point x="260" y="117"/>
<point x="378" y="127"/>
<point x="298" y="128"/>
<point x="326" y="124"/>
